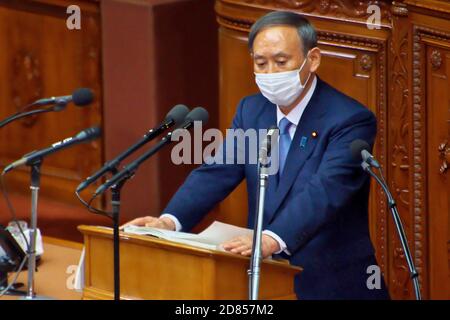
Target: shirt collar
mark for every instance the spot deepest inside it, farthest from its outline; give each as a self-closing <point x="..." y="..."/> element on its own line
<point x="295" y="115"/>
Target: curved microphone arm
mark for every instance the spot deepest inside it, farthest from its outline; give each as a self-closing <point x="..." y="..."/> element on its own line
<point x="399" y="226"/>
<point x="23" y="115"/>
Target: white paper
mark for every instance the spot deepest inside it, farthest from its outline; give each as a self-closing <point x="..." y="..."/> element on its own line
<point x="21" y="241"/>
<point x="79" y="274"/>
<point x="162" y="233"/>
<point x="211" y="238"/>
<point x="219" y="232"/>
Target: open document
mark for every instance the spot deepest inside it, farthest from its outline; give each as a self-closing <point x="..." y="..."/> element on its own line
<point x="211" y="238"/>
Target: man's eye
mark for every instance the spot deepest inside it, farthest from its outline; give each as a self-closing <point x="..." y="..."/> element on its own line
<point x="260" y="64"/>
<point x="281" y="63"/>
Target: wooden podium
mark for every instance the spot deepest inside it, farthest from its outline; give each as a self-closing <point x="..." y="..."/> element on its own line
<point x="152" y="268"/>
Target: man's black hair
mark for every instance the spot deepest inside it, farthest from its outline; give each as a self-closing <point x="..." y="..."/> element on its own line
<point x="305" y="30"/>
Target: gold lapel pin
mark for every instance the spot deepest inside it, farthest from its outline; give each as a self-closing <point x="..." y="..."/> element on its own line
<point x="314" y="134"/>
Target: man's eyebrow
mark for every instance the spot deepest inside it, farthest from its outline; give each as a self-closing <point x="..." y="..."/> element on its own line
<point x="281" y="55"/>
<point x="258" y="56"/>
<point x="276" y="55"/>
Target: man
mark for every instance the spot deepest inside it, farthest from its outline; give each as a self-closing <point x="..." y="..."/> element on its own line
<point x="316" y="206"/>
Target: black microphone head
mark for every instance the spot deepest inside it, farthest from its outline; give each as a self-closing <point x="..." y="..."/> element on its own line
<point x="272" y="129"/>
<point x="197" y="114"/>
<point x="82" y="97"/>
<point x="357" y="146"/>
<point x="266" y="144"/>
<point x="89" y="134"/>
<point x="177" y="114"/>
<point x="270" y="132"/>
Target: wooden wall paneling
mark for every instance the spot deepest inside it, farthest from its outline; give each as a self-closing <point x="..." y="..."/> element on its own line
<point x="400" y="170"/>
<point x="129" y="91"/>
<point x="186" y="71"/>
<point x="438" y="123"/>
<point x="430" y="7"/>
<point x="431" y="29"/>
<point x="409" y="142"/>
<point x="40" y="57"/>
<point x="345" y="10"/>
<point x="431" y="87"/>
<point x="146" y="55"/>
<point x="170" y="49"/>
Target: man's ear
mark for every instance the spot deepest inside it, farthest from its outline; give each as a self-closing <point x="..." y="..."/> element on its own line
<point x="314" y="59"/>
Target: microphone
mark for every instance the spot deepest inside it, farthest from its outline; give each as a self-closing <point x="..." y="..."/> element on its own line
<point x="197" y="114"/>
<point x="84" y="136"/>
<point x="174" y="117"/>
<point x="359" y="149"/>
<point x="80" y="97"/>
<point x="266" y="145"/>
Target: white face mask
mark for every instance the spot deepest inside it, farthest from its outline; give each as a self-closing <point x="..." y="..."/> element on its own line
<point x="281" y="88"/>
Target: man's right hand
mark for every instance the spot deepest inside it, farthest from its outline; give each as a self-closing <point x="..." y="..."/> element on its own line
<point x="149" y="221"/>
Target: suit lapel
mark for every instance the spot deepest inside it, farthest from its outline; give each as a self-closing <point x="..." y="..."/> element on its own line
<point x="301" y="148"/>
<point x="268" y="117"/>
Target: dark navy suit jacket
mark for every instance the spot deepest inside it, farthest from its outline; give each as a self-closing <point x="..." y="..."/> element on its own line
<point x="318" y="206"/>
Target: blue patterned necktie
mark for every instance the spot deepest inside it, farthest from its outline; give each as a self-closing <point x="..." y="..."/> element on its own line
<point x="284" y="143"/>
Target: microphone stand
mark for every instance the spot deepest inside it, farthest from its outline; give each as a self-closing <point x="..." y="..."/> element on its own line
<point x="255" y="262"/>
<point x="23" y="115"/>
<point x="115" y="203"/>
<point x="116" y="188"/>
<point x="399" y="226"/>
<point x="115" y="217"/>
<point x="34" y="186"/>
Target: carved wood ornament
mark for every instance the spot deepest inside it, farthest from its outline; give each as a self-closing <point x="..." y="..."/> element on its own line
<point x="26" y="82"/>
<point x="444" y="154"/>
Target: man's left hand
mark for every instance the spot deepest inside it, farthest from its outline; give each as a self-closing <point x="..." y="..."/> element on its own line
<point x="243" y="245"/>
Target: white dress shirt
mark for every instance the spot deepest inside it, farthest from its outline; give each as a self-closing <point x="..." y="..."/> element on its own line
<point x="294" y="117"/>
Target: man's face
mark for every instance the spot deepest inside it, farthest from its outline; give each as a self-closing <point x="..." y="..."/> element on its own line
<point x="278" y="49"/>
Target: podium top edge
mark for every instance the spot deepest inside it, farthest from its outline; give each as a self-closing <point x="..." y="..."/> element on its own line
<point x="107" y="232"/>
